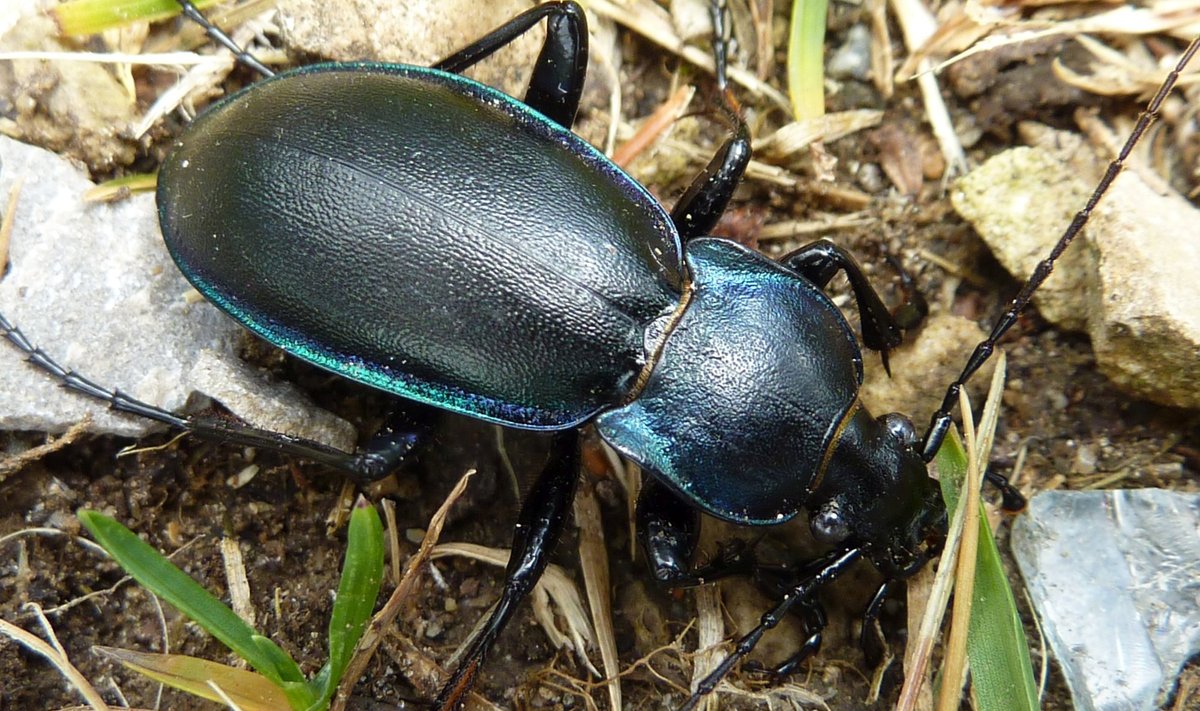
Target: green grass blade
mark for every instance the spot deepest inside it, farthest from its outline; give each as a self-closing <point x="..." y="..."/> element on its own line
<point x="362" y="575"/>
<point x="1001" y="671"/>
<point x="160" y="576"/>
<point x="121" y="188"/>
<point x="806" y="59"/>
<point x="249" y="690"/>
<point x="86" y="17"/>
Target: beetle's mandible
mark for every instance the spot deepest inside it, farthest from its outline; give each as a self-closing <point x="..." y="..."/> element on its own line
<point x="442" y="212"/>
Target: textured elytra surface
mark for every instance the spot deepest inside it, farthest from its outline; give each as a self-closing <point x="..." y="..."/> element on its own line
<point x="514" y="283"/>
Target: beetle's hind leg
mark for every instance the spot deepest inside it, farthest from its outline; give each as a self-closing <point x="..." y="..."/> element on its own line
<point x="539" y="526"/>
<point x="218" y="35"/>
<point x="557" y="81"/>
<point x="404" y="429"/>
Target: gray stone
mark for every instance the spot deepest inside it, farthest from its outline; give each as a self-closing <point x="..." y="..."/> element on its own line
<point x="93" y="285"/>
<point x="1128" y="281"/>
<point x="1019" y="202"/>
<point x="1112" y="575"/>
<point x="1144" y="312"/>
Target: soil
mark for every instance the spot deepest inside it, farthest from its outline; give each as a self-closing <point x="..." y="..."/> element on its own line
<point x="1074" y="428"/>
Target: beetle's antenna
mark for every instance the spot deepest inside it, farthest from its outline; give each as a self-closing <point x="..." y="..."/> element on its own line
<point x="218" y="35"/>
<point x="939" y="424"/>
<point x="831" y="567"/>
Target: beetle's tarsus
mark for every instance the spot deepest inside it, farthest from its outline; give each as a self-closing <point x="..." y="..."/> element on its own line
<point x="218" y="35"/>
<point x="915" y="308"/>
<point x="1013" y="500"/>
<point x="826" y="570"/>
<point x="870" y="638"/>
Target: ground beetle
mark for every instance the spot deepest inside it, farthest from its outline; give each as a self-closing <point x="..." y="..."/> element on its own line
<point x="466" y="250"/>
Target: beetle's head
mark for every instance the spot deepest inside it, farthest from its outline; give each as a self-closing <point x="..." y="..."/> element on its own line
<point x="877" y="494"/>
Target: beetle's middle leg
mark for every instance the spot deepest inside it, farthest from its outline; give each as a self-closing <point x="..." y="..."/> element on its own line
<point x="539" y="526"/>
<point x="706" y="198"/>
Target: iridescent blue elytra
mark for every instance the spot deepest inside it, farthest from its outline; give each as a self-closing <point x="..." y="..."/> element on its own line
<point x="426" y="235"/>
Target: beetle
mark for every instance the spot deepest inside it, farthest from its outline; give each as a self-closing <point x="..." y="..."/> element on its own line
<point x="440" y="212"/>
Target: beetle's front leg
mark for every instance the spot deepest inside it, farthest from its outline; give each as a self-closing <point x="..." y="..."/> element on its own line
<point x="870" y="641"/>
<point x="814" y="625"/>
<point x="818" y="574"/>
<point x="557" y="81"/>
<point x="668" y="529"/>
<point x="539" y="526"/>
<point x="819" y="261"/>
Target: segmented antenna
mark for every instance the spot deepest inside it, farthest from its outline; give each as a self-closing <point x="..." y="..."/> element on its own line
<point x="939" y="424"/>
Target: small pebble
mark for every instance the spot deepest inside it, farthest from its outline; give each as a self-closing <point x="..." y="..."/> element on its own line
<point x="433" y="629"/>
<point x="1085" y="460"/>
<point x="870" y="178"/>
<point x="852" y="60"/>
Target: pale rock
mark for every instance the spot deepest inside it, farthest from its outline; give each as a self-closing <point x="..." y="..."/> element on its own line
<point x="1128" y="282"/>
<point x="922" y="367"/>
<point x="93" y="286"/>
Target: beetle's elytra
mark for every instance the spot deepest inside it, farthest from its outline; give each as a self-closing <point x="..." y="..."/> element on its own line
<point x="487" y="261"/>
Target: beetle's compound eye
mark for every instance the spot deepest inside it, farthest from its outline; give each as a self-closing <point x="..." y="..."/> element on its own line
<point x="828" y="524"/>
<point x="900" y="427"/>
